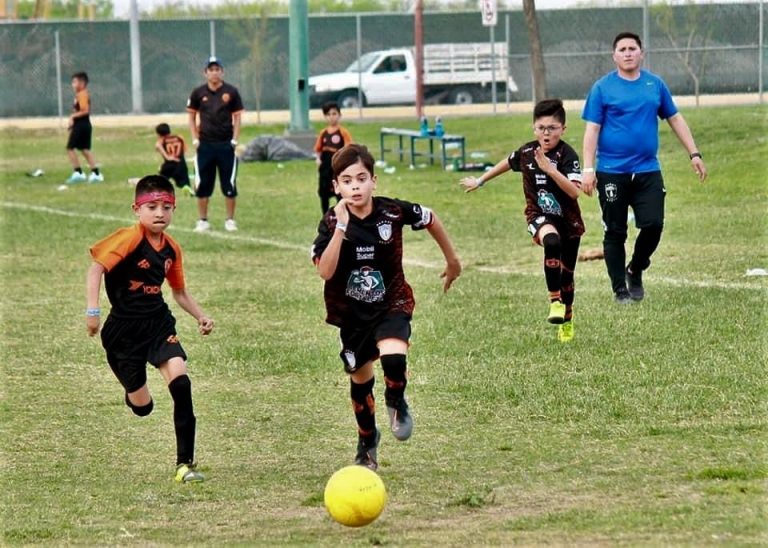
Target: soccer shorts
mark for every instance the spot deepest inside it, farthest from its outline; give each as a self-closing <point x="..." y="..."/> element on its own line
<point x="558" y="222"/>
<point x="130" y="344"/>
<point x="210" y="158"/>
<point x="358" y="343"/>
<point x="80" y="136"/>
<point x="176" y="171"/>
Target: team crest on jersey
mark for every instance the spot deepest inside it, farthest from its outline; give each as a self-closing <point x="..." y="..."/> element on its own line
<point x="335" y="139"/>
<point x="226" y="97"/>
<point x="385" y="230"/>
<point x="366" y="285"/>
<point x="611" y="192"/>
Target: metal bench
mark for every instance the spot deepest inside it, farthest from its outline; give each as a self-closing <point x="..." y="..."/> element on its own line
<point x="413" y="137"/>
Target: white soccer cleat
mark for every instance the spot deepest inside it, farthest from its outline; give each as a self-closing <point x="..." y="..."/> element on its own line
<point x="95" y="178"/>
<point x="230" y="225"/>
<point x="202" y="226"/>
<point x="75" y="178"/>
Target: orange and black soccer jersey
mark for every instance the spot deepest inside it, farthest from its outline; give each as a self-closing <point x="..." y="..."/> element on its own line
<point x="82" y="103"/>
<point x="174" y="146"/>
<point x="135" y="271"/>
<point x="329" y="142"/>
<point x="369" y="282"/>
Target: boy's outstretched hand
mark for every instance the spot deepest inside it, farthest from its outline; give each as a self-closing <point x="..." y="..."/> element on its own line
<point x="470" y="184"/>
<point x="340" y="209"/>
<point x="450" y="274"/>
<point x="205" y="325"/>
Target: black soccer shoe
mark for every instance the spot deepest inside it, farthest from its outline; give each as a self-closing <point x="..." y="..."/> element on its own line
<point x="635" y="285"/>
<point x="366" y="452"/>
<point x="400" y="420"/>
<point x="622" y="296"/>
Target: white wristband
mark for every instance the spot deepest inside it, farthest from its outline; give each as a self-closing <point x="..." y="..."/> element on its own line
<point x="588" y="170"/>
<point x="480" y="182"/>
<point x="233" y="142"/>
<point x="341" y="226"/>
<point x="195" y="142"/>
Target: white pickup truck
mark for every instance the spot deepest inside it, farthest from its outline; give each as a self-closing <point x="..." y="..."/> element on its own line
<point x="453" y="73"/>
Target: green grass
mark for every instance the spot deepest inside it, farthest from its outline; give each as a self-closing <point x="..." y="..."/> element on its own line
<point x="650" y="428"/>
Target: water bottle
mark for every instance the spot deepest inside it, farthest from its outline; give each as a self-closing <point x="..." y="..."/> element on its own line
<point x="439" y="129"/>
<point x="424" y="126"/>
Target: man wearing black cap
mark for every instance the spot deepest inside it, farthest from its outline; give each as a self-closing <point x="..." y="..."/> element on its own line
<point x="215" y="137"/>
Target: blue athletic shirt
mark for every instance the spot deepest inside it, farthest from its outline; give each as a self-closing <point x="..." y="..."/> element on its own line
<point x="628" y="113"/>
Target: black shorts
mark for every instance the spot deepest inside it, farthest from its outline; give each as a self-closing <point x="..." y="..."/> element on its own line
<point x="130" y="344"/>
<point x="643" y="192"/>
<point x="325" y="183"/>
<point x="80" y="136"/>
<point x="177" y="171"/>
<point x="210" y="158"/>
<point x="358" y="343"/>
<point x="558" y="222"/>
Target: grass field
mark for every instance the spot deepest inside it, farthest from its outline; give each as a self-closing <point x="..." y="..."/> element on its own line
<point x="648" y="429"/>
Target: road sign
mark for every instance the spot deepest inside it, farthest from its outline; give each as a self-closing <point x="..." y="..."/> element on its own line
<point x="488" y="8"/>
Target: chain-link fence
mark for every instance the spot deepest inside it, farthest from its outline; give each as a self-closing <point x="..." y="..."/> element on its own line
<point x="721" y="47"/>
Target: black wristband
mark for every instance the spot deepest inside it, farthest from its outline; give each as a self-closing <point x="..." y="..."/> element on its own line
<point x="693" y="155"/>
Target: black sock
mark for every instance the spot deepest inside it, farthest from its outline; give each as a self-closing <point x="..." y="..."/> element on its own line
<point x="568" y="260"/>
<point x="364" y="406"/>
<point x="646" y="243"/>
<point x="552" y="250"/>
<point x="394" y="366"/>
<point x="183" y="419"/>
<point x="95" y="170"/>
<point x="615" y="258"/>
<point x="78" y="170"/>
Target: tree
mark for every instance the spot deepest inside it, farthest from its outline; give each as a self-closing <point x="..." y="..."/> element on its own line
<point x="537" y="56"/>
<point x="688" y="36"/>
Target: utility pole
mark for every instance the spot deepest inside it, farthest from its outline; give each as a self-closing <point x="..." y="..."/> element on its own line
<point x="136" y="99"/>
<point x="298" y="69"/>
<point x="418" y="47"/>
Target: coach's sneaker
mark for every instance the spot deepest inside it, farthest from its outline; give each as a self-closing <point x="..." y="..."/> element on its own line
<point x="366" y="452"/>
<point x="635" y="285"/>
<point x="556" y="312"/>
<point x="76" y="177"/>
<point x="622" y="296"/>
<point x="400" y="420"/>
<point x="565" y="332"/>
<point x="202" y="226"/>
<point x="187" y="473"/>
<point x="95" y="178"/>
<point x="230" y="225"/>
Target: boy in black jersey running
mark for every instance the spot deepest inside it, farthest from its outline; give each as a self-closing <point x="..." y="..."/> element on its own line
<point x="358" y="252"/>
<point x="134" y="262"/>
<point x="551" y="184"/>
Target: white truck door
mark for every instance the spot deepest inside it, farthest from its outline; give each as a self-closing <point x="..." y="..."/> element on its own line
<point x="391" y="81"/>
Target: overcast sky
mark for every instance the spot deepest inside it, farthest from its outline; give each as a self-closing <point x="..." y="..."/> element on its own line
<point x="121" y="6"/>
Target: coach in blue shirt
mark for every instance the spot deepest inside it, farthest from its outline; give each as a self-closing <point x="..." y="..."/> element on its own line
<point x="622" y="114"/>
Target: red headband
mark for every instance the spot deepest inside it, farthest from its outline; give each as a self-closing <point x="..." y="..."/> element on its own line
<point x="166" y="197"/>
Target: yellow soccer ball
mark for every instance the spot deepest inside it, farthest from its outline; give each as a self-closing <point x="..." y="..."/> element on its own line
<point x="355" y="496"/>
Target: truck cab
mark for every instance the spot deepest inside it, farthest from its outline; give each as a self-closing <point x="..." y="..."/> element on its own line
<point x="385" y="77"/>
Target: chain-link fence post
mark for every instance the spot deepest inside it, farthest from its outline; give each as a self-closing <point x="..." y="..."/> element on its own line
<point x="59" y="90"/>
<point x="212" y="36"/>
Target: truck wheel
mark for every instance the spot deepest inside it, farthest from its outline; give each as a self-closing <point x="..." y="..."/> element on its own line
<point x="349" y="100"/>
<point x="462" y="96"/>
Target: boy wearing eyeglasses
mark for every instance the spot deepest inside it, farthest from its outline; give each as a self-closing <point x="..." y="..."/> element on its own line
<point x="551" y="184"/>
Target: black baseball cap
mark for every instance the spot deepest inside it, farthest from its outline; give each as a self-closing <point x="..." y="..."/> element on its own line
<point x="213" y="60"/>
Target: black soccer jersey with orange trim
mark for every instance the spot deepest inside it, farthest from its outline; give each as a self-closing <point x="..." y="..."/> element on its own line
<point x="369" y="281"/>
<point x="329" y="143"/>
<point x="216" y="108"/>
<point x="543" y="196"/>
<point x="135" y="271"/>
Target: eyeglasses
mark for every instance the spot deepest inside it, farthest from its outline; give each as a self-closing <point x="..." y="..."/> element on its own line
<point x="547" y="129"/>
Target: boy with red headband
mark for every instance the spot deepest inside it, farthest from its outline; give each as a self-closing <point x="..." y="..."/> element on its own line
<point x="140" y="328"/>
